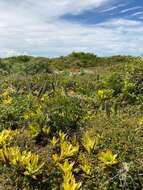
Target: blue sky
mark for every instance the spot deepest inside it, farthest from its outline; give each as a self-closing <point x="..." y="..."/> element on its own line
<point x="125" y="9"/>
<point x="54" y="28"/>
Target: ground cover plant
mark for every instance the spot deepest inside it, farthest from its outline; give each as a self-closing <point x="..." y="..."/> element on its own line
<point x="71" y="123"/>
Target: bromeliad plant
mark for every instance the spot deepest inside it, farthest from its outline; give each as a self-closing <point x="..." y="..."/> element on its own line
<point x="69" y="182"/>
<point x="66" y="167"/>
<point x="67" y="149"/>
<point x="31" y="163"/>
<point x="107" y="158"/>
<point x="86" y="168"/>
<point x="36" y="130"/>
<point x="90" y="141"/>
<point x="6" y="137"/>
<point x="10" y="155"/>
<point x="24" y="161"/>
<point x="37" y="123"/>
<point x="85" y="163"/>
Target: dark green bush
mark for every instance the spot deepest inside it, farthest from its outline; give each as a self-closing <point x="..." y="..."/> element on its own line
<point x="38" y="66"/>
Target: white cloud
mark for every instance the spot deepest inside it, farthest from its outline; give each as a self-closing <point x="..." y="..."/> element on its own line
<point x="35" y="10"/>
<point x="131" y="9"/>
<point x="34" y="27"/>
<point x="11" y="52"/>
<point x="138" y="13"/>
<point x="112" y="8"/>
<point x="109" y="9"/>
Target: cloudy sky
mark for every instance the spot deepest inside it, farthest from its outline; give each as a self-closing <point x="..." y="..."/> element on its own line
<point x="58" y="27"/>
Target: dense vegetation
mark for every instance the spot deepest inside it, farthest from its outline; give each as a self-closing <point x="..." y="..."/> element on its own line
<point x="71" y="123"/>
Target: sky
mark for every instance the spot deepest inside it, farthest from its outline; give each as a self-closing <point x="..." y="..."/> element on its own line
<point x="58" y="27"/>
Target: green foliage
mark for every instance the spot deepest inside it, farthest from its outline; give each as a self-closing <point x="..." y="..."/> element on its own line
<point x="71" y="123"/>
<point x="39" y="66"/>
<point x="11" y="112"/>
<point x="65" y="111"/>
<point x="5" y="68"/>
<point x="115" y="82"/>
